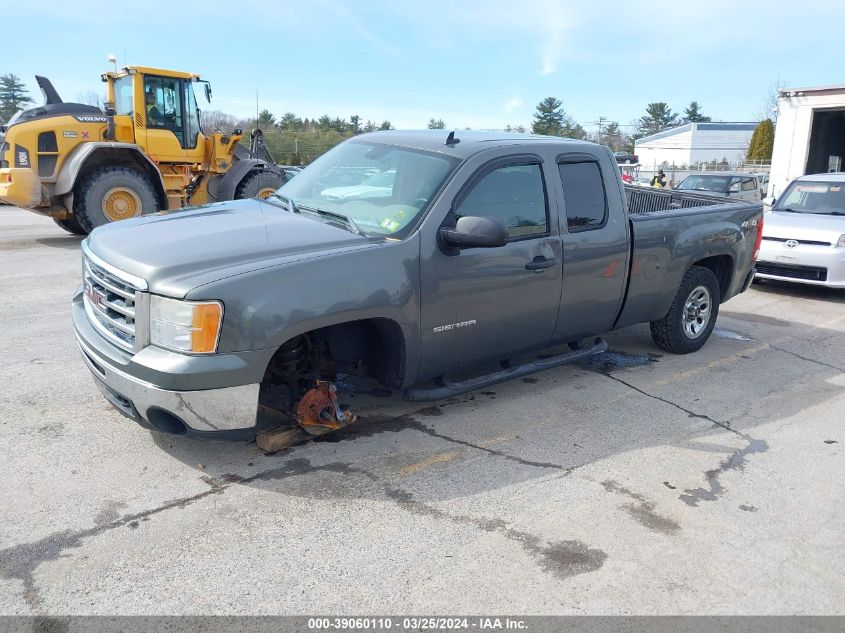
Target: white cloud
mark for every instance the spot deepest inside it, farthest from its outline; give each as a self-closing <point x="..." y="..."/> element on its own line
<point x="539" y="28"/>
<point x="345" y="14"/>
<point x="512" y="104"/>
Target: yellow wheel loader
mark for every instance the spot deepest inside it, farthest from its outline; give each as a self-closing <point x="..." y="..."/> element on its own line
<point x="85" y="167"/>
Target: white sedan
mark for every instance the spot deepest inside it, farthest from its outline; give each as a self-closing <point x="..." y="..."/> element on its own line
<point x="804" y="235"/>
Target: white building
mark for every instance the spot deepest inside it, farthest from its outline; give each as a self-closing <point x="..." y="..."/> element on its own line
<point x="695" y="143"/>
<point x="810" y="134"/>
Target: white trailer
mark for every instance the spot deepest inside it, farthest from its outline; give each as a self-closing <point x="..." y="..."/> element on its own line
<point x="810" y="134"/>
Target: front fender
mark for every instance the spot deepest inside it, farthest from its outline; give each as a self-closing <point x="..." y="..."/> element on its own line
<point x="76" y="160"/>
<point x="267" y="307"/>
<point x="232" y="178"/>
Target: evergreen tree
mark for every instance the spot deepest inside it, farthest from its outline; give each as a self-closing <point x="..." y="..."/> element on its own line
<point x="436" y="124"/>
<point x="266" y="119"/>
<point x="549" y="117"/>
<point x="385" y="125"/>
<point x="289" y="121"/>
<point x="13" y="96"/>
<point x="762" y="141"/>
<point x="658" y="117"/>
<point x="693" y="114"/>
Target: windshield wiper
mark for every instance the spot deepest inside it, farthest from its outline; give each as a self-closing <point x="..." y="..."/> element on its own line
<point x="290" y="205"/>
<point x="335" y="216"/>
<point x="790" y="210"/>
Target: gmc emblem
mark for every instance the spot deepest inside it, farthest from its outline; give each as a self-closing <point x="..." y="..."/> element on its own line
<point x="94" y="296"/>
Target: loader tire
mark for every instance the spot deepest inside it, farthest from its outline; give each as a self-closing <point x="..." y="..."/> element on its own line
<point x="259" y="184"/>
<point x="110" y="194"/>
<point x="71" y="225"/>
<point x="692" y="315"/>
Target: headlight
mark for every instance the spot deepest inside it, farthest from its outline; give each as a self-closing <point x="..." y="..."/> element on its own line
<point x="841" y="241"/>
<point x="185" y="326"/>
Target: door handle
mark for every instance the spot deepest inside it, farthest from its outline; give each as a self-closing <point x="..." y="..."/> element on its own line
<point x="540" y="263"/>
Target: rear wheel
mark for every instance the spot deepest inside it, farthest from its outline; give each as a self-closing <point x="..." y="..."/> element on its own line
<point x="111" y="194"/>
<point x="692" y="315"/>
<point x="259" y="184"/>
<point x="70" y="225"/>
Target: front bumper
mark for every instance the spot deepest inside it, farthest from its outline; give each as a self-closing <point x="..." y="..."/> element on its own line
<point x="802" y="264"/>
<point x="148" y="386"/>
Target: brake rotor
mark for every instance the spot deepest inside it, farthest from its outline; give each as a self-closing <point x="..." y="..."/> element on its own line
<point x="319" y="412"/>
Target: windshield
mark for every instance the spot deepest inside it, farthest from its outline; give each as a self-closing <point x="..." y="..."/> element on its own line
<point x="382" y="189"/>
<point x="813" y="197"/>
<point x="718" y="184"/>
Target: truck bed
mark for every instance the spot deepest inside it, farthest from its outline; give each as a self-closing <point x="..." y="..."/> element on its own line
<point x="671" y="231"/>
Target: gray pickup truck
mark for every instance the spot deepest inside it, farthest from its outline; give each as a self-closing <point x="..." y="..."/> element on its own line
<point x="429" y="263"/>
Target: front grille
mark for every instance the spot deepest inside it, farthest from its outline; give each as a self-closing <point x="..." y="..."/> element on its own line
<point x="809" y="273"/>
<point x="786" y="239"/>
<point x="110" y="303"/>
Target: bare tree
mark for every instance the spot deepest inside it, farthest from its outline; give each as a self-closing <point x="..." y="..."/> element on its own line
<point x="91" y="98"/>
<point x="215" y="120"/>
<point x="768" y="109"/>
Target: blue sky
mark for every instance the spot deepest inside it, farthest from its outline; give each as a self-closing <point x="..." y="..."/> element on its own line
<point x="481" y="64"/>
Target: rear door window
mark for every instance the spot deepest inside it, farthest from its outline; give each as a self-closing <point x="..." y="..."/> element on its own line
<point x="515" y="195"/>
<point x="583" y="195"/>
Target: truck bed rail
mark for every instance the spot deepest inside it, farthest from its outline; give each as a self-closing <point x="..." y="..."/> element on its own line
<point x="649" y="200"/>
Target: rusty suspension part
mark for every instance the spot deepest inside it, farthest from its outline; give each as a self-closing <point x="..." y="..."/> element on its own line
<point x="319" y="412"/>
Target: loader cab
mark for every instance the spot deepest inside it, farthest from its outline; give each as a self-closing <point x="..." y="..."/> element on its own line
<point x="157" y="109"/>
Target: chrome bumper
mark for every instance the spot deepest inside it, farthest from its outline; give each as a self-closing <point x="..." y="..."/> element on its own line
<point x="221" y="409"/>
<point x="225" y="409"/>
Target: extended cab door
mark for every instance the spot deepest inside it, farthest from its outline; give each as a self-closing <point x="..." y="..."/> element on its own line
<point x="488" y="303"/>
<point x="595" y="234"/>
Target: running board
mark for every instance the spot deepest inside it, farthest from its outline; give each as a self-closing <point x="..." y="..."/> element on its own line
<point x="447" y="389"/>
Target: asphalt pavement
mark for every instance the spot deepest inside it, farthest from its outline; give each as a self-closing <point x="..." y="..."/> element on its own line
<point x="638" y="483"/>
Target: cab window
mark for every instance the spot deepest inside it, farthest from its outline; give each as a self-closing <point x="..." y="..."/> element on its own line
<point x="749" y="184"/>
<point x="583" y="195"/>
<point x="163" y="105"/>
<point x="123" y="95"/>
<point x="514" y="195"/>
<point x="192" y="118"/>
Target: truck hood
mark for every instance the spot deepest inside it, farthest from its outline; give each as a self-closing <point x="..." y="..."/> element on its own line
<point x="180" y="250"/>
<point x="804" y="226"/>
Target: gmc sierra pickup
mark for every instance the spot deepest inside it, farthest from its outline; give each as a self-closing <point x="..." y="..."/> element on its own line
<point x="411" y="258"/>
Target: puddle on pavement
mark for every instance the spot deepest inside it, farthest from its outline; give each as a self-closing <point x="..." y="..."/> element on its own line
<point x="736" y="336"/>
<point x="611" y="360"/>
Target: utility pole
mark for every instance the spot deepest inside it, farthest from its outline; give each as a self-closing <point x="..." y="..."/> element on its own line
<point x="601" y="125"/>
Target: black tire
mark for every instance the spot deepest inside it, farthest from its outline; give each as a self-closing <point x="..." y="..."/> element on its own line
<point x="70" y="225"/>
<point x="91" y="192"/>
<point x="257" y="182"/>
<point x="681" y="332"/>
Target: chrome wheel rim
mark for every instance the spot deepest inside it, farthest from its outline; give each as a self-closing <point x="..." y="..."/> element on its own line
<point x="697" y="310"/>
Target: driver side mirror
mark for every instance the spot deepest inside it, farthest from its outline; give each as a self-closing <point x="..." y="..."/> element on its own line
<point x="472" y="231"/>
